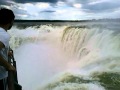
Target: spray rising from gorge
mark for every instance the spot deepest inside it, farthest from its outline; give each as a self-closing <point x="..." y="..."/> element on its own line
<point x="68" y="57"/>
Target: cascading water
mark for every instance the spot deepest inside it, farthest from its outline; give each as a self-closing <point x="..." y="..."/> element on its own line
<point x="91" y="44"/>
<point x="67" y="58"/>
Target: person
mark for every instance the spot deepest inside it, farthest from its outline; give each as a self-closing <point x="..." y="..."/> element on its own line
<point x="6" y="21"/>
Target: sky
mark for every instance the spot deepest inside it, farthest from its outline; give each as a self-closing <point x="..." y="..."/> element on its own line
<point x="63" y="9"/>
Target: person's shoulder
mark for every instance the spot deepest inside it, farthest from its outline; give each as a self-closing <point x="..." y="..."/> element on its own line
<point x="3" y="33"/>
<point x="1" y="37"/>
<point x="2" y="30"/>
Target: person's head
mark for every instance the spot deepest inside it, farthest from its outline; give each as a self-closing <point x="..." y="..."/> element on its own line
<point x="6" y="18"/>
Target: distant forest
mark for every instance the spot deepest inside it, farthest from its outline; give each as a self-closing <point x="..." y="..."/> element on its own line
<point x="22" y="24"/>
<point x="93" y="20"/>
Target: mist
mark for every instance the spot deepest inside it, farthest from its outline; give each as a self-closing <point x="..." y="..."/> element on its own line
<point x="38" y="55"/>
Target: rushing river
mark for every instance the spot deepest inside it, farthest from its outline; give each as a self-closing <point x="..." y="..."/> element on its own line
<point x="67" y="57"/>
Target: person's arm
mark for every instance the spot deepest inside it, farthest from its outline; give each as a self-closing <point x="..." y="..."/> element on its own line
<point x="4" y="63"/>
<point x="10" y="52"/>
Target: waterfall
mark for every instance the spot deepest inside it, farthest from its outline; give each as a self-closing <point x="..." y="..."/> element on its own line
<point x="73" y="57"/>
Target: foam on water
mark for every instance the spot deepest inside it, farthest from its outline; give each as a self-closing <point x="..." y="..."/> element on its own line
<point x="44" y="55"/>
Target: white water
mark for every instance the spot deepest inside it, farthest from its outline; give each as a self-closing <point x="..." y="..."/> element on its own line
<point x="38" y="55"/>
<point x="37" y="63"/>
<point x="41" y="57"/>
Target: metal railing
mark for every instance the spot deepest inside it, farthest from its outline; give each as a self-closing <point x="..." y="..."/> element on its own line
<point x="12" y="76"/>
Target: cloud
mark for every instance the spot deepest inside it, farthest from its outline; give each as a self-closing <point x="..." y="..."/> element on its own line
<point x="47" y="11"/>
<point x="2" y="2"/>
<point x="31" y="10"/>
<point x="6" y="2"/>
<point x="101" y="6"/>
<point x="95" y="2"/>
<point x="29" y="1"/>
<point x="63" y="9"/>
<point x="77" y="5"/>
<point x="77" y="1"/>
<point x="43" y="5"/>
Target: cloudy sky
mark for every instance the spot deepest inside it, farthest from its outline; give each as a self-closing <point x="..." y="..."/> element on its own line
<point x="63" y="9"/>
